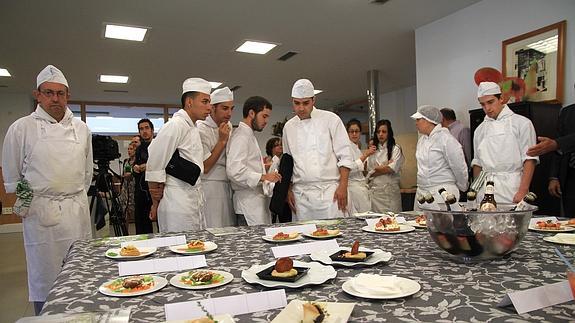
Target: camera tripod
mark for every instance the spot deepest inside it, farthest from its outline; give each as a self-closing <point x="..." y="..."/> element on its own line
<point x="104" y="188"/>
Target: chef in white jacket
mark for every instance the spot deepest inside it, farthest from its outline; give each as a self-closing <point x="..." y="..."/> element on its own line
<point x="500" y="146"/>
<point x="319" y="145"/>
<point x="179" y="205"/>
<point x="360" y="200"/>
<point x="215" y="132"/>
<point x="49" y="154"/>
<point x="245" y="166"/>
<point x="440" y="158"/>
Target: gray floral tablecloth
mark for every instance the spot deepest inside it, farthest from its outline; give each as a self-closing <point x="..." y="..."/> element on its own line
<point x="451" y="291"/>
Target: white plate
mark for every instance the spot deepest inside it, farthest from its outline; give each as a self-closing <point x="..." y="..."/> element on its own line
<point x="293" y="312"/>
<point x="317" y="274"/>
<point x="415" y="224"/>
<point x="402" y="229"/>
<point x="221" y="318"/>
<point x="175" y="281"/>
<point x="369" y="215"/>
<point x="182" y="248"/>
<point x="270" y="239"/>
<point x="408" y="287"/>
<point x="377" y="257"/>
<point x="144" y="252"/>
<point x="563" y="229"/>
<point x="309" y="235"/>
<point x="554" y="239"/>
<point x="414" y="213"/>
<point x="159" y="283"/>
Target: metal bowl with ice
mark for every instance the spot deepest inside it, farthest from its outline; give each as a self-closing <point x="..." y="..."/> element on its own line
<point x="478" y="235"/>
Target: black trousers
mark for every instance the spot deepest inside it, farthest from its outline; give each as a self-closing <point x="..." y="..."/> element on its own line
<point x="568" y="195"/>
<point x="142" y="206"/>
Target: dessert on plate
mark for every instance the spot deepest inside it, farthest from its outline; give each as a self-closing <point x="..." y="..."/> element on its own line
<point x="129" y="251"/>
<point x="387" y="224"/>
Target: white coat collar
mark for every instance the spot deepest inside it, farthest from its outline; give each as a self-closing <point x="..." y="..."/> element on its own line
<point x="437" y="129"/>
<point x="313" y="113"/>
<point x="183" y="114"/>
<point x="210" y="122"/>
<point x="244" y="125"/>
<point x="40" y="113"/>
<point x="505" y="112"/>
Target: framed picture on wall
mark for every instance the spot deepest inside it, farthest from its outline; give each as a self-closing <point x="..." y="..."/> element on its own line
<point x="537" y="58"/>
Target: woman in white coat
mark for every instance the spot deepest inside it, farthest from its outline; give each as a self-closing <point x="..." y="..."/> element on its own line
<point x="357" y="185"/>
<point x="440" y="158"/>
<point x="383" y="170"/>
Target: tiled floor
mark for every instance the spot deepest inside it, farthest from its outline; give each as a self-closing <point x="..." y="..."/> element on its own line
<point x="14" y="296"/>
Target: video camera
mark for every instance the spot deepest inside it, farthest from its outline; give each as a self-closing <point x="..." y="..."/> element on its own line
<point x="104" y="148"/>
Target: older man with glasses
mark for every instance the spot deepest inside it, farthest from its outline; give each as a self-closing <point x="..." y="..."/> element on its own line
<point x="47" y="162"/>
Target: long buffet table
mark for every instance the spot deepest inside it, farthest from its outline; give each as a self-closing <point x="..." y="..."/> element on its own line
<point x="450" y="290"/>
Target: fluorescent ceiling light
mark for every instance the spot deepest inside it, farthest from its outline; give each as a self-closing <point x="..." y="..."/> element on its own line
<point x="4" y="72"/>
<point x="114" y="79"/>
<point x="215" y="85"/>
<point x="546" y="46"/>
<point x="255" y="47"/>
<point x="317" y="91"/>
<point x="125" y="32"/>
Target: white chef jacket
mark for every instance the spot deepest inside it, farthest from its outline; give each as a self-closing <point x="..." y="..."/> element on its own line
<point x="384" y="189"/>
<point x="440" y="160"/>
<point x="181" y="208"/>
<point x="319" y="146"/>
<point x="245" y="168"/>
<point x="218" y="208"/>
<point x="500" y="147"/>
<point x="357" y="186"/>
<point x="56" y="159"/>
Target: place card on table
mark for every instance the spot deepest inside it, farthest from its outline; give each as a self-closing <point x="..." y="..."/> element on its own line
<point x="161" y="265"/>
<point x="304" y="248"/>
<point x="539" y="297"/>
<point x="534" y="221"/>
<point x="372" y="222"/>
<point x="233" y="305"/>
<point x="306" y="228"/>
<point x="157" y="242"/>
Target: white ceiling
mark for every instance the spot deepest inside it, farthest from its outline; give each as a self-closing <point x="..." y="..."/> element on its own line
<point x="338" y="41"/>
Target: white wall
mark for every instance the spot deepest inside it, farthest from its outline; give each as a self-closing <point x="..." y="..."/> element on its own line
<point x="450" y="50"/>
<point x="13" y="107"/>
<point x="397" y="106"/>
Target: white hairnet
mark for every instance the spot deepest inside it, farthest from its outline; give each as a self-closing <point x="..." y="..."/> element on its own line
<point x="429" y="113"/>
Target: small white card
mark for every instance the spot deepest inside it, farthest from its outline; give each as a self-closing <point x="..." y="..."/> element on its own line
<point x="304" y="248"/>
<point x="161" y="265"/>
<point x="539" y="297"/>
<point x="233" y="305"/>
<point x="535" y="220"/>
<point x="305" y="228"/>
<point x="372" y="222"/>
<point x="157" y="242"/>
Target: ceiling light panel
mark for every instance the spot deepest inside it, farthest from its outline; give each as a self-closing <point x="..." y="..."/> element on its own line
<point x="114" y="79"/>
<point x="255" y="47"/>
<point x="125" y="32"/>
<point x="4" y="72"/>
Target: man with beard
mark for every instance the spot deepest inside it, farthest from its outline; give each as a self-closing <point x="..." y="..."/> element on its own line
<point x="245" y="167"/>
<point x="215" y="132"/>
<point x="178" y="200"/>
<point x="142" y="199"/>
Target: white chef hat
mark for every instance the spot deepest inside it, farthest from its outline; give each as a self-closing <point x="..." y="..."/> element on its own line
<point x="222" y="95"/>
<point x="429" y="113"/>
<point x="302" y="88"/>
<point x="196" y="84"/>
<point x="52" y="74"/>
<point x="488" y="88"/>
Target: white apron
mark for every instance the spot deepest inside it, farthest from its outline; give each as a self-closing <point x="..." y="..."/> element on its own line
<point x="359" y="196"/>
<point x="218" y="210"/>
<point x="434" y="190"/>
<point x="314" y="201"/>
<point x="499" y="152"/>
<point x="59" y="213"/>
<point x="181" y="208"/>
<point x="253" y="205"/>
<point x="386" y="197"/>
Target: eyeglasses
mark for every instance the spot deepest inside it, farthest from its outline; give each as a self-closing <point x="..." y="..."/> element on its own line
<point x="50" y="93"/>
<point x="354" y="131"/>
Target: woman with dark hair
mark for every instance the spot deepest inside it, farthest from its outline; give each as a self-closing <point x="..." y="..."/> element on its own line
<point x="357" y="184"/>
<point x="383" y="170"/>
<point x="273" y="149"/>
